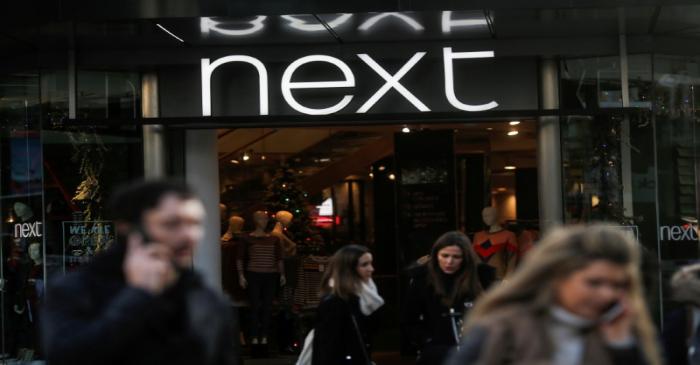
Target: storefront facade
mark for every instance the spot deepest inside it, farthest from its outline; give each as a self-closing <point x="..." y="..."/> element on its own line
<point x="94" y="103"/>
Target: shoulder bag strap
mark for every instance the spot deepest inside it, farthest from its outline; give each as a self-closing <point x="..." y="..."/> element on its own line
<point x="359" y="338"/>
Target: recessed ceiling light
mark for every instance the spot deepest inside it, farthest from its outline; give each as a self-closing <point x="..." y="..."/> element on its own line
<point x="509" y="167"/>
<point x="406" y="130"/>
<point x="513" y="133"/>
<point x="235" y="162"/>
<point x="489" y="129"/>
<point x="392" y="177"/>
<point x="371" y="175"/>
<point x="382" y="168"/>
<point x="500" y="190"/>
<point x="514" y="122"/>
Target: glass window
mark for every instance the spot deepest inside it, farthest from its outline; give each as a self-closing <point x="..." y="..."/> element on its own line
<point x="590" y="83"/>
<point x="21" y="250"/>
<point x="103" y="95"/>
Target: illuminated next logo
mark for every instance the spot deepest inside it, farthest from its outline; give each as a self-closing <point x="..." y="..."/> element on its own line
<point x="27" y="230"/>
<point x="678" y="233"/>
<point x="348" y="81"/>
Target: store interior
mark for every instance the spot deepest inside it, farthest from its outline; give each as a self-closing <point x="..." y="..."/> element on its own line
<point x="341" y="186"/>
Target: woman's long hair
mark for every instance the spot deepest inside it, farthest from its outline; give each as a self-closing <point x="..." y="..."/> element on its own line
<point x="341" y="278"/>
<point x="466" y="278"/>
<point x="560" y="254"/>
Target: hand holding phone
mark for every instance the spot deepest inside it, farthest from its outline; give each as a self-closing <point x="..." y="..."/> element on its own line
<point x="616" y="323"/>
<point x="148" y="267"/>
<point x="615" y="310"/>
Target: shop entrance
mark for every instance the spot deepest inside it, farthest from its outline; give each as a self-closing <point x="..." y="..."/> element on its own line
<point x="392" y="188"/>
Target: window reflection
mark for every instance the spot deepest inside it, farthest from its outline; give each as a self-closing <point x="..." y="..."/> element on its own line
<point x="308" y="23"/>
<point x="223" y="27"/>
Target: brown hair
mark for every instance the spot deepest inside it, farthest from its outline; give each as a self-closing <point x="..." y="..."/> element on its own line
<point x="466" y="278"/>
<point x="342" y="271"/>
<point x="561" y="253"/>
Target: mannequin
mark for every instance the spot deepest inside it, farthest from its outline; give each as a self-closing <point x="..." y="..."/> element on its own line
<point x="27" y="301"/>
<point x="235" y="227"/>
<point x="23" y="211"/>
<point x="292" y="262"/>
<point x="496" y="246"/>
<point x="284" y="219"/>
<point x="229" y="247"/>
<point x="223" y="217"/>
<point x="260" y="270"/>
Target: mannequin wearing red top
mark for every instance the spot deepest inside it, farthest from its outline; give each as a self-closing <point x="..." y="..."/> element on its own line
<point x="496" y="246"/>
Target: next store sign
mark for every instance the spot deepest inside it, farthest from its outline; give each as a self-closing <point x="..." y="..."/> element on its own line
<point x="323" y="84"/>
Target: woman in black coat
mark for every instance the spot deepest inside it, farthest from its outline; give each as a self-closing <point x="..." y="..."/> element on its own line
<point x="440" y="293"/>
<point x="341" y="333"/>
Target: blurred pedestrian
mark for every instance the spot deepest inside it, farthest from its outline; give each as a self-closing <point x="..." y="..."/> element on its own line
<point x="681" y="334"/>
<point x="349" y="297"/>
<point x="140" y="302"/>
<point x="440" y="293"/>
<point x="577" y="300"/>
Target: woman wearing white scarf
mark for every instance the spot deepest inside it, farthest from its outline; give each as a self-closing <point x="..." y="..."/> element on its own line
<point x="349" y="298"/>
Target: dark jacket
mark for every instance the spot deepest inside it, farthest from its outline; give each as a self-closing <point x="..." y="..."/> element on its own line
<point x="432" y="325"/>
<point x="336" y="341"/>
<point x="518" y="336"/>
<point x="677" y="332"/>
<point x="92" y="317"/>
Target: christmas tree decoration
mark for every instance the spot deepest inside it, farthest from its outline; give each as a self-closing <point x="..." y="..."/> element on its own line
<point x="285" y="193"/>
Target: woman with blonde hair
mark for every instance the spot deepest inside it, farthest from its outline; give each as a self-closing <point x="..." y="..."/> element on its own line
<point x="576" y="300"/>
<point x="349" y="297"/>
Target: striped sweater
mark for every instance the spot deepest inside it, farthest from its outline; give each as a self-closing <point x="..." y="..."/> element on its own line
<point x="260" y="254"/>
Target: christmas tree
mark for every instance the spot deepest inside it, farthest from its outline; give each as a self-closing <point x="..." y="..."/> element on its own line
<point x="285" y="193"/>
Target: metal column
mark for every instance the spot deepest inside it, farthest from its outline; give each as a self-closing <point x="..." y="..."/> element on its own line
<point x="202" y="173"/>
<point x="549" y="149"/>
<point x="153" y="138"/>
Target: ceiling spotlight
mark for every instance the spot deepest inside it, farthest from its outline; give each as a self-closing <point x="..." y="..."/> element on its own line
<point x="509" y="167"/>
<point x="371" y="175"/>
<point x="246" y="156"/>
<point x="263" y="157"/>
<point x="392" y="177"/>
<point x="382" y="168"/>
<point x="501" y="190"/>
<point x="513" y="133"/>
<point x="234" y="161"/>
<point x="406" y="130"/>
<point x="514" y="122"/>
<point x="489" y="129"/>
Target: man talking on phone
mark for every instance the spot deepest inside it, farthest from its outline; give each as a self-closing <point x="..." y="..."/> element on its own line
<point x="140" y="302"/>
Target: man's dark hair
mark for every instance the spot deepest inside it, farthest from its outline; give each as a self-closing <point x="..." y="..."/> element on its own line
<point x="129" y="202"/>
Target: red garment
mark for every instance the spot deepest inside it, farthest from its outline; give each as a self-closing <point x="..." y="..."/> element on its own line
<point x="229" y="273"/>
<point x="498" y="249"/>
<point x="526" y="241"/>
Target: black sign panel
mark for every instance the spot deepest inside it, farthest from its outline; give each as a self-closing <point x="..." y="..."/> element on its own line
<point x="349" y="81"/>
<point x="426" y="190"/>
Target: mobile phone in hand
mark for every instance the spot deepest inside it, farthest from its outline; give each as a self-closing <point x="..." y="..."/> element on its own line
<point x="141" y="231"/>
<point x="612" y="313"/>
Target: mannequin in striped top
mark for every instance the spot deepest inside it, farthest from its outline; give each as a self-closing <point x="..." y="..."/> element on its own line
<point x="260" y="270"/>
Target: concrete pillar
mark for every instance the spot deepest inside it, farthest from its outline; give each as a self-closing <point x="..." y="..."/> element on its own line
<point x="549" y="149"/>
<point x="153" y="138"/>
<point x="202" y="174"/>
